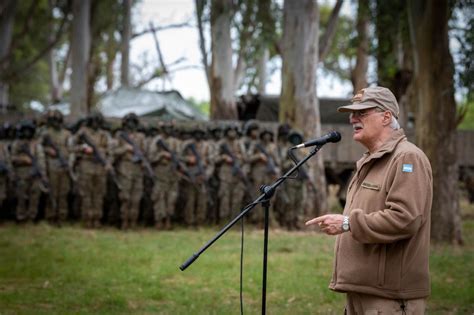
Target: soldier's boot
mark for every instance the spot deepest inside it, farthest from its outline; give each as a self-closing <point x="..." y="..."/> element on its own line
<point x="133" y="224"/>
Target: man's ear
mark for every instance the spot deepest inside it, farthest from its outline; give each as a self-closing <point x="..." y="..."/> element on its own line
<point x="387" y="118"/>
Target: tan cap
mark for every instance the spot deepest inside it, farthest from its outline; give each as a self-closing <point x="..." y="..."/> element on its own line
<point x="372" y="97"/>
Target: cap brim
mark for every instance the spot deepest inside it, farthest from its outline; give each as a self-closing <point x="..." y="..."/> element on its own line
<point x="353" y="107"/>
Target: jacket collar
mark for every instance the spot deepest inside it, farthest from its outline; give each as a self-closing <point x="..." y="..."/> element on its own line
<point x="387" y="147"/>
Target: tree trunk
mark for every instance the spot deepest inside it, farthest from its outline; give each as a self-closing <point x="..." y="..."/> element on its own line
<point x="126" y="36"/>
<point x="394" y="64"/>
<point x="80" y="43"/>
<point x="262" y="71"/>
<point x="53" y="69"/>
<point x="7" y="19"/>
<point x="359" y="73"/>
<point x="436" y="117"/>
<point x="221" y="77"/>
<point x="298" y="102"/>
<point x="111" y="53"/>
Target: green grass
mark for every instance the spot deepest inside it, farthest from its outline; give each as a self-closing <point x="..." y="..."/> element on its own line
<point x="45" y="270"/>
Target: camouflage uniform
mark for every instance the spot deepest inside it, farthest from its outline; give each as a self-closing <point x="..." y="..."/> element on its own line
<point x="165" y="190"/>
<point x="195" y="192"/>
<point x="264" y="170"/>
<point x="292" y="193"/>
<point x="92" y="175"/>
<point x="251" y="131"/>
<point x="6" y="170"/>
<point x="213" y="170"/>
<point x="53" y="138"/>
<point x="232" y="187"/>
<point x="28" y="181"/>
<point x="129" y="170"/>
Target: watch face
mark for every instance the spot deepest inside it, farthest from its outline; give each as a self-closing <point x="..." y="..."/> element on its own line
<point x="345" y="227"/>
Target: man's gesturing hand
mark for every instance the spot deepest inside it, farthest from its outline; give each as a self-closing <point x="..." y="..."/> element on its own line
<point x="330" y="224"/>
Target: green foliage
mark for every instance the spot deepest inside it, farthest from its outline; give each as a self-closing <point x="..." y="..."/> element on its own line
<point x="468" y="121"/>
<point x="202" y="106"/>
<point x="31" y="34"/>
<point x="344" y="45"/>
<point x="46" y="270"/>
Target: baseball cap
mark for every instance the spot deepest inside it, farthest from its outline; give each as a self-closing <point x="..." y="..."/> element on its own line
<point x="371" y="97"/>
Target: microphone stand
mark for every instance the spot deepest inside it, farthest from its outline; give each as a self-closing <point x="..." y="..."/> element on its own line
<point x="264" y="198"/>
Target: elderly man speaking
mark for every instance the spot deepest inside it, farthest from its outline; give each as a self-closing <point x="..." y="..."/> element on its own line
<point x="383" y="236"/>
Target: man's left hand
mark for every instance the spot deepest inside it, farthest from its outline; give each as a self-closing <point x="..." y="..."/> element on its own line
<point x="331" y="224"/>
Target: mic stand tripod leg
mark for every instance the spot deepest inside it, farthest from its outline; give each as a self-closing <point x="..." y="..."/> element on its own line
<point x="268" y="191"/>
<point x="266" y="207"/>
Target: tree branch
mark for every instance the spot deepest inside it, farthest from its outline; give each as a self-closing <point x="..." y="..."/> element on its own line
<point x="45" y="50"/>
<point x="202" y="40"/>
<point x="161" y="28"/>
<point x="23" y="32"/>
<point x="159" y="72"/>
<point x="328" y="35"/>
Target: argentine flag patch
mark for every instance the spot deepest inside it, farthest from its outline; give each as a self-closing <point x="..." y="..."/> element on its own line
<point x="407" y="168"/>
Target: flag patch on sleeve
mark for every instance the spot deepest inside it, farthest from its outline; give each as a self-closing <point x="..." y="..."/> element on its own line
<point x="407" y="168"/>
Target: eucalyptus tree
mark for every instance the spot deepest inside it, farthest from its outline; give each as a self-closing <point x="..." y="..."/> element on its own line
<point x="436" y="111"/>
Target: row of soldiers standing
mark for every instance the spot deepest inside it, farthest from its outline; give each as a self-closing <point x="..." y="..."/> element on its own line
<point x="190" y="177"/>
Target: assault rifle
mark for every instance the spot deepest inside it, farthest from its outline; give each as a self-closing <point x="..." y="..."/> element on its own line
<point x="36" y="170"/>
<point x="236" y="169"/>
<point x="138" y="155"/>
<point x="177" y="165"/>
<point x="201" y="172"/>
<point x="85" y="138"/>
<point x="47" y="141"/>
<point x="271" y="166"/>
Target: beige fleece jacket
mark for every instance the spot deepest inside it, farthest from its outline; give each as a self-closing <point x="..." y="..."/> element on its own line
<point x="386" y="252"/>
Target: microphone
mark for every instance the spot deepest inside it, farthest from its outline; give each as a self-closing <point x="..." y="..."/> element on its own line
<point x="333" y="136"/>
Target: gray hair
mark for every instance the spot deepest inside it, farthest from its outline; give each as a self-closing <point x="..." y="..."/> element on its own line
<point x="394" y="124"/>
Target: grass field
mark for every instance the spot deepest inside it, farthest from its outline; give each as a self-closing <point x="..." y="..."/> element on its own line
<point x="46" y="270"/>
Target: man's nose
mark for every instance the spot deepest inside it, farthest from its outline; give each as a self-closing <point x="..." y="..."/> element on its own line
<point x="353" y="118"/>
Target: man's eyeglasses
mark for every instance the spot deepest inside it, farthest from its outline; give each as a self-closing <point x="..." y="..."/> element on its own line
<point x="364" y="113"/>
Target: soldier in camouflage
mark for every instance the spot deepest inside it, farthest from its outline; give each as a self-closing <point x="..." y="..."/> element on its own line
<point x="57" y="143"/>
<point x="291" y="216"/>
<point x="91" y="145"/>
<point x="28" y="160"/>
<point x="6" y="171"/>
<point x="231" y="177"/>
<point x="264" y="169"/>
<point x="128" y="156"/>
<point x="194" y="153"/>
<point x="166" y="165"/>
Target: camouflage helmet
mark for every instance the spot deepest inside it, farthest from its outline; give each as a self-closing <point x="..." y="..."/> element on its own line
<point x="130" y="117"/>
<point x="25" y="129"/>
<point x="54" y="115"/>
<point x="230" y="127"/>
<point x="284" y="130"/>
<point x="26" y="124"/>
<point x="95" y="118"/>
<point x="265" y="132"/>
<point x="249" y="126"/>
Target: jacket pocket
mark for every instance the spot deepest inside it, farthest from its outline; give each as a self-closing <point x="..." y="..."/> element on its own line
<point x="382" y="261"/>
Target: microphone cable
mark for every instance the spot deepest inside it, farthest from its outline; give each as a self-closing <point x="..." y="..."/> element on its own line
<point x="241" y="264"/>
<point x="242" y="228"/>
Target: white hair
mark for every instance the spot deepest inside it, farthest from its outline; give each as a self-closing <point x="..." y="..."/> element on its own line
<point x="394" y="124"/>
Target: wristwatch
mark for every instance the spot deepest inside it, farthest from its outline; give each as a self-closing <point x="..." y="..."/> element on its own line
<point x="345" y="224"/>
